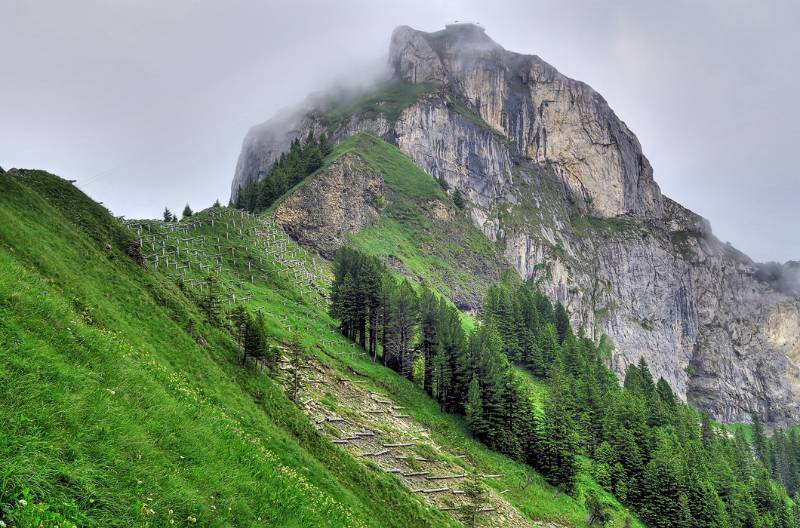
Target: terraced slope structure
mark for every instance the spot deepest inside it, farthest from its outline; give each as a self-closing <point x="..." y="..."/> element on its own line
<point x="122" y="405"/>
<point x="562" y="189"/>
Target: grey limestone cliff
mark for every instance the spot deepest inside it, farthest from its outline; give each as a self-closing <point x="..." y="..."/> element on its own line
<point x="561" y="185"/>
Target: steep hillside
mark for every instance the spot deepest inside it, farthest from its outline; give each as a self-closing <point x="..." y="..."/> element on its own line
<point x="560" y="184"/>
<point x="124" y="405"/>
<point x="121" y="405"/>
<point x="372" y="195"/>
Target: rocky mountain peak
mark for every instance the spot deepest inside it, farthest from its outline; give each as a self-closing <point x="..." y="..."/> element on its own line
<point x="560" y="185"/>
<point x="547" y="116"/>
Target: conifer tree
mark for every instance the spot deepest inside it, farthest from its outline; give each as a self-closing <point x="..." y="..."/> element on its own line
<point x="187" y="211"/>
<point x="474" y="409"/>
<point x="561" y="322"/>
<point x="168" y="216"/>
<point x="557" y="442"/>
<point x="759" y="438"/>
<point x="458" y="199"/>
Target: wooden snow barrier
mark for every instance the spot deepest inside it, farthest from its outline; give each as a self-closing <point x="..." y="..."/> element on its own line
<point x="374" y="453"/>
<point x="403" y="444"/>
<point x="491" y="476"/>
<point x="434" y="490"/>
<point x="445" y="477"/>
<point x="342" y="441"/>
<point x="418" y="459"/>
<point x="375" y="411"/>
<point x="400" y="416"/>
<point x="416" y="474"/>
<point x="364" y="433"/>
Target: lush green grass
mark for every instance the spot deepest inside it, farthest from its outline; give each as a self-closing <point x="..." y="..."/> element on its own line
<point x="420" y="231"/>
<point x="456" y="106"/>
<point x="113" y="409"/>
<point x="388" y="100"/>
<point x="584" y="225"/>
<point x="114" y="415"/>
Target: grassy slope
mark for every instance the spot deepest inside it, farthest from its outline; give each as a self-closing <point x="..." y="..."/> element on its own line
<point x="110" y="409"/>
<point x="387" y="100"/>
<point x="450" y="255"/>
<point x="173" y="399"/>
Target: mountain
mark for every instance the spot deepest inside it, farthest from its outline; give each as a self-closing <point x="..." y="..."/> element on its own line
<point x="560" y="187"/>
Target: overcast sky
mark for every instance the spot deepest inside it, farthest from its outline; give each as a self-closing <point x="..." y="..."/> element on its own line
<point x="146" y="102"/>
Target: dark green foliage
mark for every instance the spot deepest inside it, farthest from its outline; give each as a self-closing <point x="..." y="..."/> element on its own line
<point x="458" y="199"/>
<point x="287" y="171"/>
<point x="250" y="332"/>
<point x="168" y="216"/>
<point x="187" y="211"/>
<point x="664" y="460"/>
<point x="209" y="300"/>
<point x="476" y="496"/>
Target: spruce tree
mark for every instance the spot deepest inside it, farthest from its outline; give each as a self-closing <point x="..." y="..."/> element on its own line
<point x="474" y="409"/>
<point x="561" y="322"/>
<point x="187" y="211"/>
<point x="557" y="442"/>
<point x="759" y="438"/>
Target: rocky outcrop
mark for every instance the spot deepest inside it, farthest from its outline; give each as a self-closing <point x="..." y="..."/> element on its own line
<point x="546" y="116"/>
<point x="341" y="201"/>
<point x="558" y="181"/>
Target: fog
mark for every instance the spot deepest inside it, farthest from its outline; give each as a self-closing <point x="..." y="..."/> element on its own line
<point x="146" y="103"/>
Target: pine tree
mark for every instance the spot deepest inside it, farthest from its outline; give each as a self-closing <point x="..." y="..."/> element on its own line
<point x="561" y="322"/>
<point x="474" y="409"/>
<point x="476" y="500"/>
<point x="168" y="216"/>
<point x="429" y="329"/>
<point x="404" y="317"/>
<point x="557" y="442"/>
<point x="187" y="211"/>
<point x="324" y="145"/>
<point x="759" y="438"/>
<point x="295" y="353"/>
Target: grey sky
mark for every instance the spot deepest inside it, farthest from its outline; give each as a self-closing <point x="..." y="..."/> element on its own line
<point x="146" y="102"/>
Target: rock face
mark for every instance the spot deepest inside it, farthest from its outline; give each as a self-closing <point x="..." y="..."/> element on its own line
<point x="561" y="185"/>
<point x="341" y="202"/>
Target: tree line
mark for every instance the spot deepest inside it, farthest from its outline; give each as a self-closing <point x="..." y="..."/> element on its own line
<point x="666" y="461"/>
<point x="301" y="160"/>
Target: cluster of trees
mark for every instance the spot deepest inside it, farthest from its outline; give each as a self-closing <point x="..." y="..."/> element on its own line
<point x="780" y="454"/>
<point x="250" y="333"/>
<point x="288" y="170"/>
<point x="663" y="459"/>
<point x="169" y="216"/>
<point x="408" y="325"/>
